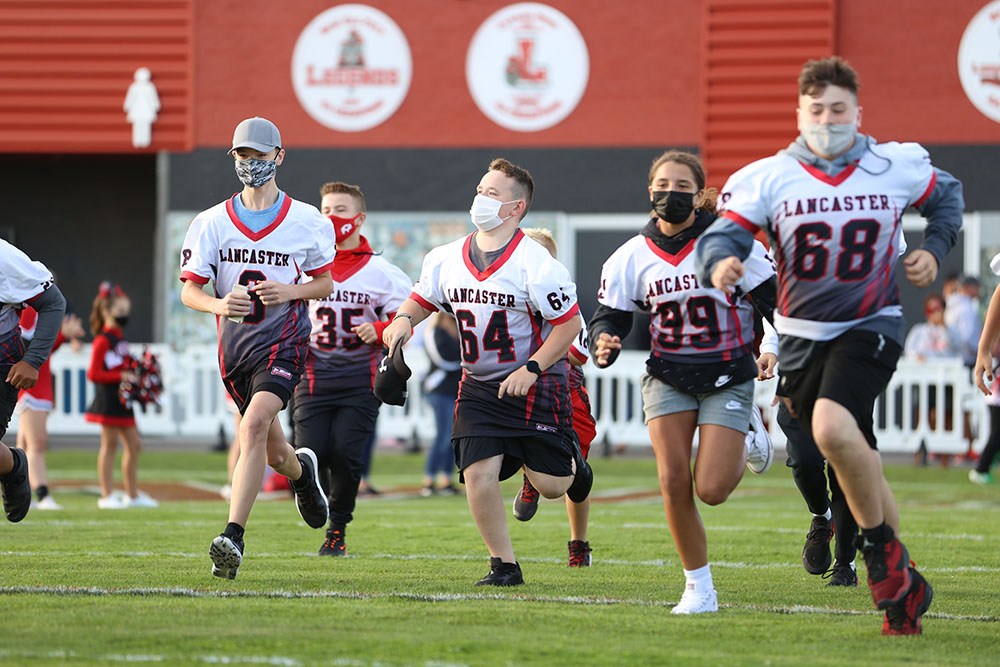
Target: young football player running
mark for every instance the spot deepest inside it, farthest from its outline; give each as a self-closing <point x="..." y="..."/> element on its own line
<point x="334" y="409"/>
<point x="831" y="204"/>
<point x="22" y="281"/>
<point x="253" y="246"/>
<point x="701" y="368"/>
<point x="517" y="316"/>
<point x="584" y="428"/>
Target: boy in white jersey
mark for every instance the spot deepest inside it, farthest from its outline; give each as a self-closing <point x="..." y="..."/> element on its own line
<point x="22" y="281"/>
<point x="584" y="429"/>
<point x="254" y="246"/>
<point x="517" y="316"/>
<point x="831" y="204"/>
<point x="335" y="410"/>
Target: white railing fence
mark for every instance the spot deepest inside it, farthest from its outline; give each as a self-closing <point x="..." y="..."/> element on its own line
<point x="194" y="402"/>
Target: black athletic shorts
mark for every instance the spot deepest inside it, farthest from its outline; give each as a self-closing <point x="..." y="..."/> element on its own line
<point x="8" y="400"/>
<point x="551" y="454"/>
<point x="278" y="377"/>
<point x="853" y="370"/>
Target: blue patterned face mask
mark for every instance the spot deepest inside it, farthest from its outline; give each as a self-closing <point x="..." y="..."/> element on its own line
<point x="255" y="173"/>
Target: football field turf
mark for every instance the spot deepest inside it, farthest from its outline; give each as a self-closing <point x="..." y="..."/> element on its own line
<point x="83" y="586"/>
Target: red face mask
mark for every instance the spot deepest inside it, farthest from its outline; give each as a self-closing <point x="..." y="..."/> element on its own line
<point x="343" y="227"/>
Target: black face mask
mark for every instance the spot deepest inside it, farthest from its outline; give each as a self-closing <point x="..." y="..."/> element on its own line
<point x="672" y="206"/>
<point x="121" y="320"/>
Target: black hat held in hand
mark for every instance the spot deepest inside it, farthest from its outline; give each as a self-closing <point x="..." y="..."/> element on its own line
<point x="390" y="379"/>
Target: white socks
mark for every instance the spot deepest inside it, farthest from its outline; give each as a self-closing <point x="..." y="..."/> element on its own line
<point x="699" y="581"/>
<point x="828" y="516"/>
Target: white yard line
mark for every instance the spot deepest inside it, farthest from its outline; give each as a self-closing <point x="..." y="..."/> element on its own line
<point x="177" y="591"/>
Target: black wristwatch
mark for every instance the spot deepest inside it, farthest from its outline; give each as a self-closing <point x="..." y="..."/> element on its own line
<point x="532" y="366"/>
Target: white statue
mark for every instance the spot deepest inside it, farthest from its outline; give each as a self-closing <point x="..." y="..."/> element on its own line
<point x="141" y="106"/>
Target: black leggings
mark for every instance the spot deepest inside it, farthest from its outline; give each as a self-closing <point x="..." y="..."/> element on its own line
<point x="807" y="464"/>
<point x="993" y="444"/>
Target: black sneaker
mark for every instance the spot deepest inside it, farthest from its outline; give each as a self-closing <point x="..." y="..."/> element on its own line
<point x="579" y="490"/>
<point x="227" y="554"/>
<point x="841" y="575"/>
<point x="448" y="490"/>
<point x="309" y="497"/>
<point x="502" y="574"/>
<point x="15" y="488"/>
<point x="579" y="553"/>
<point x="816" y="556"/>
<point x="526" y="502"/>
<point x="334" y="544"/>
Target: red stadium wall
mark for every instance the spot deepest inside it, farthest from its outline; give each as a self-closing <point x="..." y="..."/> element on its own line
<point x="65" y="66"/>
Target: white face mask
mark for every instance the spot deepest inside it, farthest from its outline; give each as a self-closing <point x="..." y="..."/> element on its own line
<point x="829" y="138"/>
<point x="485" y="212"/>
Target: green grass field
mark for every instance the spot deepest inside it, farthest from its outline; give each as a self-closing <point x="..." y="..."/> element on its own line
<point x="83" y="586"/>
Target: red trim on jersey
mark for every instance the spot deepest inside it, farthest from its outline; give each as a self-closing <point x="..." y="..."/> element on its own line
<point x="382" y="325"/>
<point x="674" y="260"/>
<point x="529" y="403"/>
<point x="193" y="277"/>
<point x="751" y="227"/>
<point x="424" y="303"/>
<point x="582" y="358"/>
<point x="109" y="421"/>
<point x="373" y="358"/>
<point x="827" y="178"/>
<point x="249" y="233"/>
<point x="321" y="270"/>
<point x="28" y="301"/>
<point x="927" y="192"/>
<point x="495" y="266"/>
<point x="565" y="318"/>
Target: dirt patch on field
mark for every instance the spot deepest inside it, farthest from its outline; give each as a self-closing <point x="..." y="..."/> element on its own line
<point x="159" y="490"/>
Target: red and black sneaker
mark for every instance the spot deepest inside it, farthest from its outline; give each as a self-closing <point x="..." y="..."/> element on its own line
<point x="334" y="544"/>
<point x="904" y="618"/>
<point x="526" y="502"/>
<point x="889" y="574"/>
<point x="579" y="553"/>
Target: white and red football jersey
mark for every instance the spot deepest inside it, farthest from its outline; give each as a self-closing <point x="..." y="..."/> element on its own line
<point x="505" y="312"/>
<point x="836" y="238"/>
<point x="220" y="248"/>
<point x="21" y="279"/>
<point x="366" y="291"/>
<point x="689" y="320"/>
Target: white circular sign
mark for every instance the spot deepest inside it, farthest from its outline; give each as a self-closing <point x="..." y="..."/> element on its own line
<point x="351" y="68"/>
<point x="979" y="61"/>
<point x="527" y="67"/>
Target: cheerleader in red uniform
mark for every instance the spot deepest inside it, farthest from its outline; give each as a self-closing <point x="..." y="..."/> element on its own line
<point x="34" y="405"/>
<point x="108" y="370"/>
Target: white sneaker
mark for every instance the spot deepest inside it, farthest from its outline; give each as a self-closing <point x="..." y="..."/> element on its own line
<point x="110" y="503"/>
<point x="48" y="503"/>
<point x="760" y="451"/>
<point x="141" y="500"/>
<point x="693" y="603"/>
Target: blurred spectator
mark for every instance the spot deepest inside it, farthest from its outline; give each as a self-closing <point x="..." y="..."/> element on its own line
<point x="441" y="388"/>
<point x="961" y="316"/>
<point x="35" y="404"/>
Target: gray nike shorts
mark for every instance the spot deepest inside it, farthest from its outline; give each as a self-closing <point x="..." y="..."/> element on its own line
<point x="729" y="406"/>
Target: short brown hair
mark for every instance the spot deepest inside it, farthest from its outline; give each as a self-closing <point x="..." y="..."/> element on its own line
<point x="524" y="184"/>
<point x="816" y="75"/>
<point x="692" y="162"/>
<point x="336" y="188"/>
<point x="544" y="237"/>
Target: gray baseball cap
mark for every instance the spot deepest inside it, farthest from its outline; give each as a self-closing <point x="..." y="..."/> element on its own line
<point x="257" y="133"/>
